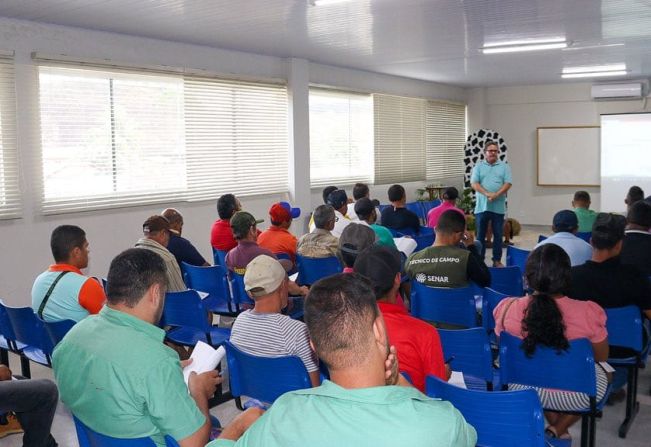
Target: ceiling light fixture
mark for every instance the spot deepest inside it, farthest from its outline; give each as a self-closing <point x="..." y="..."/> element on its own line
<point x="515" y="46"/>
<point x="326" y="2"/>
<point x="594" y="71"/>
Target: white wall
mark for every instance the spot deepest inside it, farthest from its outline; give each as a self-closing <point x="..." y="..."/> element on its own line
<point x="24" y="243"/>
<point x="516" y="112"/>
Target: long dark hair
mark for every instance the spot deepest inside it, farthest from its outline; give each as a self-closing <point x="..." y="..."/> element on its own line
<point x="548" y="273"/>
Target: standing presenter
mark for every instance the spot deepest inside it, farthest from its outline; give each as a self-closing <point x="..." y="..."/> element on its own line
<point x="491" y="179"/>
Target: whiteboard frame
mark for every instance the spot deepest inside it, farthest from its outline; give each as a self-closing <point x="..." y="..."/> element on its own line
<point x="538" y="156"/>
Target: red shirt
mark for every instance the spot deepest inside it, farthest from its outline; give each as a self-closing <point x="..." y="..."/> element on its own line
<point x="419" y="347"/>
<point x="221" y="235"/>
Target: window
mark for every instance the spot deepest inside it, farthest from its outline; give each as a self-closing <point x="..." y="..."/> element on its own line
<point x="10" y="205"/>
<point x="341" y="137"/>
<point x="446" y="137"/>
<point x="113" y="138"/>
<point x="399" y="139"/>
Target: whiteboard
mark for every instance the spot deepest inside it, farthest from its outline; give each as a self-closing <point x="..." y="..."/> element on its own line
<point x="568" y="156"/>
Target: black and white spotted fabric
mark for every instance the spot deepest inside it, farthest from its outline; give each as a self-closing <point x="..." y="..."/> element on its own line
<point x="474" y="150"/>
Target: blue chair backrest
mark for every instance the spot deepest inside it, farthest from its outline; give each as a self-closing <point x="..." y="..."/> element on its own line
<point x="219" y="257"/>
<point x="491" y="299"/>
<point x="425" y="238"/>
<point x="239" y="292"/>
<point x="185" y="309"/>
<point x="310" y="270"/>
<point x="516" y="257"/>
<point x="90" y="438"/>
<point x="58" y="329"/>
<point x="264" y="378"/>
<point x="416" y="208"/>
<point x="624" y="325"/>
<point x="507" y="280"/>
<point x="585" y="235"/>
<point x="453" y="306"/>
<point x="571" y="370"/>
<point x="471" y="351"/>
<point x="429" y="205"/>
<point x="541" y="238"/>
<point x="211" y="279"/>
<point x="501" y="418"/>
<point x="5" y="325"/>
<point x="29" y="329"/>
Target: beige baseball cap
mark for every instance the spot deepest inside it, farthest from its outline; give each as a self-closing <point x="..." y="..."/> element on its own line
<point x="263" y="276"/>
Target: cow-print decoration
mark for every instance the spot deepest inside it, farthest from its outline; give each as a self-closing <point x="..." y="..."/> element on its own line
<point x="474" y="150"/>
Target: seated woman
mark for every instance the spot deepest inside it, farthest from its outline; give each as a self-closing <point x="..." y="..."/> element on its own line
<point x="549" y="318"/>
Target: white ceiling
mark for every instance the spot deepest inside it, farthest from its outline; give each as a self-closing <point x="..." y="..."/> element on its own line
<point x="435" y="40"/>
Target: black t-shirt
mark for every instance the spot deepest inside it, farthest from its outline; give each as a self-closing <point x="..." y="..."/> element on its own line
<point x="637" y="251"/>
<point x="400" y="219"/>
<point x="611" y="284"/>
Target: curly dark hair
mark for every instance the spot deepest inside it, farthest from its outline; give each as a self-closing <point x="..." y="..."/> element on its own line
<point x="548" y="273"/>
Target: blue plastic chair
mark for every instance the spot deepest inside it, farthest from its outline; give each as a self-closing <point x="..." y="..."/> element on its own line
<point x="491" y="299"/>
<point x="417" y="209"/>
<point x="501" y="418"/>
<point x="310" y="270"/>
<point x="571" y="370"/>
<point x="31" y="337"/>
<point x="219" y="258"/>
<point x="507" y="280"/>
<point x="516" y="257"/>
<point x="214" y="281"/>
<point x="264" y="378"/>
<point x="428" y="206"/>
<point x="471" y="354"/>
<point x="90" y="438"/>
<point x="440" y="305"/>
<point x="625" y="329"/>
<point x="184" y="311"/>
<point x="585" y="235"/>
<point x="240" y="297"/>
<point x="58" y="329"/>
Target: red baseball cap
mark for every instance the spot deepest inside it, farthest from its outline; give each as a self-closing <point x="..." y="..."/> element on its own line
<point x="283" y="212"/>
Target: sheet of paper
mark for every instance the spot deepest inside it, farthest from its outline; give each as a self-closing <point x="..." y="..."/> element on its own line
<point x="405" y="244"/>
<point x="202" y="295"/>
<point x="456" y="379"/>
<point x="293" y="277"/>
<point x="204" y="358"/>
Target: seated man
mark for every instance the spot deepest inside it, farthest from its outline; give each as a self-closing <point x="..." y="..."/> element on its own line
<point x="565" y="226"/>
<point x="446" y="264"/>
<point x="156" y="231"/>
<point x="324" y="194"/>
<point x="449" y="196"/>
<point x="263" y="330"/>
<point x="634" y="195"/>
<point x="361" y="191"/>
<point x="586" y="216"/>
<point x="277" y="237"/>
<point x="34" y="403"/>
<point x="320" y="243"/>
<point x="355" y="238"/>
<point x="116" y="375"/>
<point x="180" y="247"/>
<point x="417" y="342"/>
<point x="63" y="292"/>
<point x="338" y="200"/>
<point x="636" y="249"/>
<point x="396" y="216"/>
<point x="367" y="215"/>
<point x="359" y="405"/>
<point x="221" y="236"/>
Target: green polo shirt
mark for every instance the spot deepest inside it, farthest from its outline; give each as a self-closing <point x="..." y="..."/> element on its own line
<point x="330" y="415"/>
<point x="586" y="219"/>
<point x="116" y="375"/>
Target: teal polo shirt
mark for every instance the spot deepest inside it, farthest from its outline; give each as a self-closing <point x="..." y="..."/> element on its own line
<point x="116" y="375"/>
<point x="491" y="178"/>
<point x="384" y="416"/>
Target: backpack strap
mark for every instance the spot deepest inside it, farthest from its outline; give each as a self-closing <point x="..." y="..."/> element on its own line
<point x="49" y="292"/>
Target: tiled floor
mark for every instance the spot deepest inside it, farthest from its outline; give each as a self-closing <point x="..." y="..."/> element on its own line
<point x="63" y="429"/>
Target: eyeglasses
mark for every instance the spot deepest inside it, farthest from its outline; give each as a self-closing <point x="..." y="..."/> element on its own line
<point x="492" y="150"/>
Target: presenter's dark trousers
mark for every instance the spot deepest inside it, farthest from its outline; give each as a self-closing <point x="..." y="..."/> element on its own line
<point x="497" y="223"/>
<point x="34" y="402"/>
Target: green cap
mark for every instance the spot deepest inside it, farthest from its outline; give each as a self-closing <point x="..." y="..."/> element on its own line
<point x="241" y="223"/>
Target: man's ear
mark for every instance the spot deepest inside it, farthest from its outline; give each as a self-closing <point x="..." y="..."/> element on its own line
<point x="380" y="333"/>
<point x="154" y="294"/>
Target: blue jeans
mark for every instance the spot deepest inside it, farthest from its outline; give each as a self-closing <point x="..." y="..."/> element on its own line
<point x="497" y="223"/>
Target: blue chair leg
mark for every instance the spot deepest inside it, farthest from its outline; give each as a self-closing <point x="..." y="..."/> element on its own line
<point x="24" y="367"/>
<point x="632" y="405"/>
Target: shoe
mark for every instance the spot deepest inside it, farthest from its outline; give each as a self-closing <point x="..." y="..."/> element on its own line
<point x="616" y="397"/>
<point x="497" y="264"/>
<point x="12" y="426"/>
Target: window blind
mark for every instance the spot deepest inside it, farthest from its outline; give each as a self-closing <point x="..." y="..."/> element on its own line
<point x="341" y="137"/>
<point x="399" y="139"/>
<point x="446" y="136"/>
<point x="121" y="138"/>
<point x="10" y="203"/>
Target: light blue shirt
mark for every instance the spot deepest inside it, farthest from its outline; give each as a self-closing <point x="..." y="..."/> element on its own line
<point x="491" y="178"/>
<point x="576" y="248"/>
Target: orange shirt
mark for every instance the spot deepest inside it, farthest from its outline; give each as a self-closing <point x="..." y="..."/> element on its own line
<point x="278" y="240"/>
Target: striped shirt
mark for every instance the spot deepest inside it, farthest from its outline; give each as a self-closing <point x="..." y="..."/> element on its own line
<point x="273" y="335"/>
